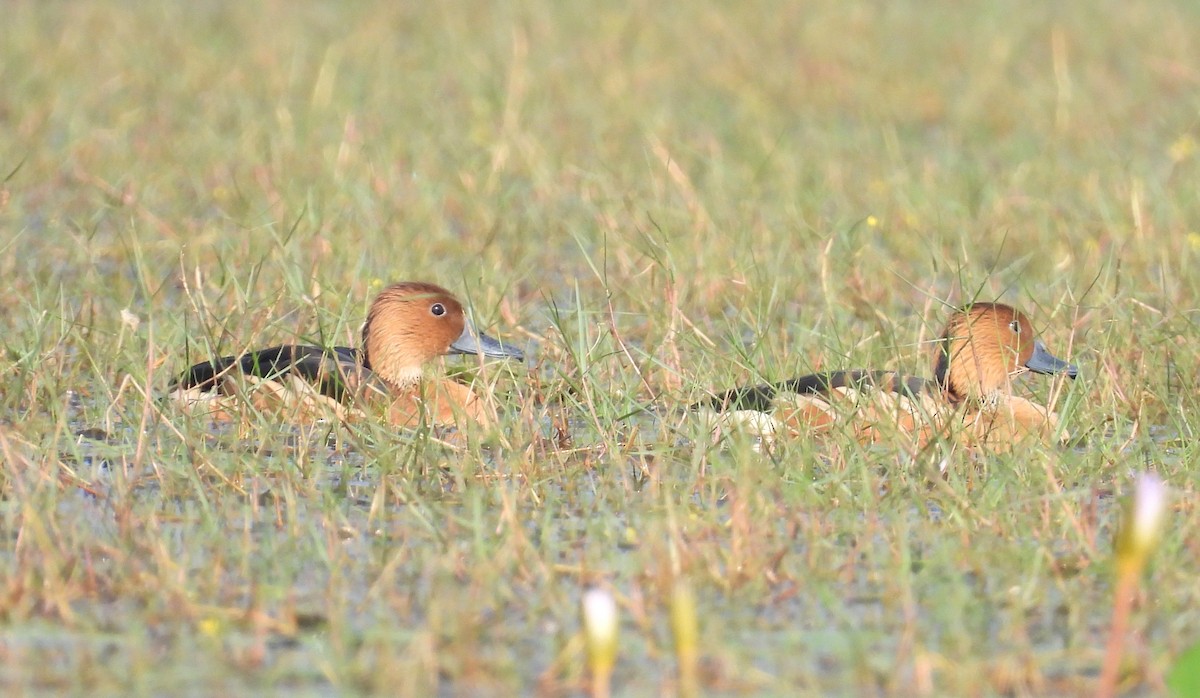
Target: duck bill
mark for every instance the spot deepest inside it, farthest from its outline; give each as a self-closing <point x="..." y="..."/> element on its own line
<point x="1042" y="361"/>
<point x="472" y="342"/>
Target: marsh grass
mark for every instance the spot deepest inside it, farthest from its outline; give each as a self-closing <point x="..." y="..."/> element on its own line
<point x="659" y="201"/>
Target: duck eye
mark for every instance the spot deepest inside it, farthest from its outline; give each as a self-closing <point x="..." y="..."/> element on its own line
<point x="437" y="309"/>
<point x="1015" y="326"/>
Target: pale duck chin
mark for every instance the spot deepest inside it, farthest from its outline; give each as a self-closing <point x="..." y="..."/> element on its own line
<point x="408" y="376"/>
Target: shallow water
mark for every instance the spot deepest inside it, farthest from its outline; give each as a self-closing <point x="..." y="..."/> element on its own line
<point x="835" y="627"/>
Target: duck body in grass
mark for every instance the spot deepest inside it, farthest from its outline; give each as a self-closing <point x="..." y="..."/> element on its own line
<point x="983" y="348"/>
<point x="409" y="325"/>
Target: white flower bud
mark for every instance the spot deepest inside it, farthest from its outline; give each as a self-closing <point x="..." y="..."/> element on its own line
<point x="1143" y="521"/>
<point x="600" y="634"/>
<point x="1149" y="505"/>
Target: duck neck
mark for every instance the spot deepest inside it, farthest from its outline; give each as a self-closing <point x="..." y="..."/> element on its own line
<point x="389" y="365"/>
<point x="398" y="375"/>
<point x="968" y="372"/>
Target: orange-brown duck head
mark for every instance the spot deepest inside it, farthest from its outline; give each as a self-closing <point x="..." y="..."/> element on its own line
<point x="412" y="323"/>
<point x="984" y="346"/>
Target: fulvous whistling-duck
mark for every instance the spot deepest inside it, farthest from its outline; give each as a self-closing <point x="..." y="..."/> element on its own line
<point x="983" y="347"/>
<point x="408" y="325"/>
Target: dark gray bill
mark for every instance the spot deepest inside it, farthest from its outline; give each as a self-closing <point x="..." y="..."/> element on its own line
<point x="1043" y="361"/>
<point x="472" y="342"/>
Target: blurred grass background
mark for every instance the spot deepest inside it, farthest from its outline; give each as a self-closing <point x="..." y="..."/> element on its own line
<point x="661" y="200"/>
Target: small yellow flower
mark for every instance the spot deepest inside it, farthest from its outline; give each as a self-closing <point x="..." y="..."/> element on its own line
<point x="1183" y="148"/>
<point x="209" y="627"/>
<point x="872" y="221"/>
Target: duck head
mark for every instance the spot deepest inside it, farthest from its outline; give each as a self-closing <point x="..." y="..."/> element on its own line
<point x="984" y="346"/>
<point x="412" y="323"/>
